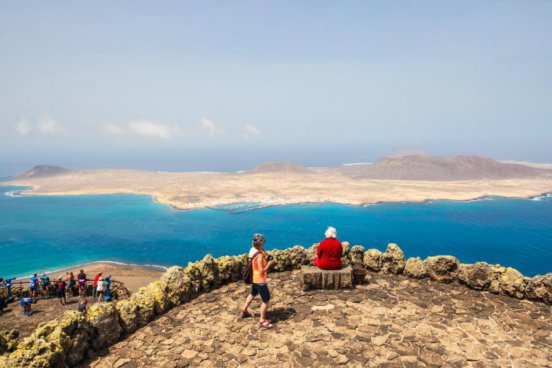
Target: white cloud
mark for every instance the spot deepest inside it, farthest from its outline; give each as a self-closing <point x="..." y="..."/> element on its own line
<point x="250" y="131"/>
<point x="210" y="127"/>
<point x="49" y="126"/>
<point x="44" y="125"/>
<point x="22" y="127"/>
<point x="143" y="128"/>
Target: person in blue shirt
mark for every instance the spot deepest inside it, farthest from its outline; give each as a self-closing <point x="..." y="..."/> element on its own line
<point x="8" y="285"/>
<point x="45" y="282"/>
<point x="26" y="303"/>
<point x="33" y="286"/>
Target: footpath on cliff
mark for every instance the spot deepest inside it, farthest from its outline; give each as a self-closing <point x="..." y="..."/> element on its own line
<point x="393" y="321"/>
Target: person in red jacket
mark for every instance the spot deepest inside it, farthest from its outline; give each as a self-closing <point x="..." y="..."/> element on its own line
<point x="328" y="254"/>
<point x="95" y="284"/>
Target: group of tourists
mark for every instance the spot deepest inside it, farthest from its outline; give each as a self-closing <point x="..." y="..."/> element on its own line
<point x="63" y="285"/>
<point x="328" y="257"/>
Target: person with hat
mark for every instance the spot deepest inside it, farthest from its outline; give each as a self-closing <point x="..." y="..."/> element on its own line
<point x="260" y="266"/>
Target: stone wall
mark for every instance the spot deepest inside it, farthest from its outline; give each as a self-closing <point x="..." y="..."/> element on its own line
<point x="72" y="337"/>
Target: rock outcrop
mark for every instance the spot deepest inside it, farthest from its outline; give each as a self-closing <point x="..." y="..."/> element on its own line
<point x="356" y="256"/>
<point x="373" y="260"/>
<point x="393" y="259"/>
<point x="104" y="319"/>
<point x="442" y="268"/>
<point x="415" y="268"/>
<point x="540" y="288"/>
<point x="477" y="276"/>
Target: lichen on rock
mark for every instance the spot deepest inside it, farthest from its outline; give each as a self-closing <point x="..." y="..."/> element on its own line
<point x="373" y="260"/>
<point x="477" y="276"/>
<point x="161" y="302"/>
<point x="193" y="272"/>
<point x="393" y="259"/>
<point x="145" y="306"/>
<point x="415" y="268"/>
<point x="128" y="315"/>
<point x="540" y="288"/>
<point x="229" y="268"/>
<point x="209" y="273"/>
<point x="356" y="256"/>
<point x="310" y="253"/>
<point x="288" y="259"/>
<point x="512" y="283"/>
<point x="104" y="319"/>
<point x="442" y="268"/>
<point x="8" y="340"/>
<point x="177" y="285"/>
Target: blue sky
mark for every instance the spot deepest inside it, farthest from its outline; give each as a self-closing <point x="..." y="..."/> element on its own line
<point x="225" y="85"/>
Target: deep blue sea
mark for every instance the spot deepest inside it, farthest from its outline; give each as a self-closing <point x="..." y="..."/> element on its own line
<point x="47" y="233"/>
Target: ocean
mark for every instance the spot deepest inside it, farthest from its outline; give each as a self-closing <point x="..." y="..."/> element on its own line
<point x="41" y="233"/>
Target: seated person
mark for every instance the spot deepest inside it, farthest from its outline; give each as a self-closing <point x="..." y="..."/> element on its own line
<point x="328" y="254"/>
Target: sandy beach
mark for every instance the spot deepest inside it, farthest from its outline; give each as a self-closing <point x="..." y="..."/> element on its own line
<point x="186" y="190"/>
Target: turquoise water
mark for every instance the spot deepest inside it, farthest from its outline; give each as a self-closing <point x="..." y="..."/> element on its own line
<point x="48" y="233"/>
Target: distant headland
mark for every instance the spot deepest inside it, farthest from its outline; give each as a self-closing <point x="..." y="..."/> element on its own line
<point x="414" y="178"/>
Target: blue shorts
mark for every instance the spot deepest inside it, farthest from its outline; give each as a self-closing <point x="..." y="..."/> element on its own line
<point x="262" y="290"/>
<point x="33" y="288"/>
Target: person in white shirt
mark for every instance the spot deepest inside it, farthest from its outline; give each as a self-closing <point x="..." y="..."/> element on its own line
<point x="100" y="288"/>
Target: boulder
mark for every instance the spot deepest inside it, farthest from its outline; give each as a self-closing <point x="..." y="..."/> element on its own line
<point x="145" y="306"/>
<point x="104" y="319"/>
<point x="442" y="268"/>
<point x="512" y="283"/>
<point x="209" y="273"/>
<point x="288" y="259"/>
<point x="229" y="268"/>
<point x="540" y="288"/>
<point x="297" y="256"/>
<point x="161" y="302"/>
<point x="41" y="349"/>
<point x="79" y="331"/>
<point x="497" y="271"/>
<point x="193" y="272"/>
<point x="393" y="259"/>
<point x="373" y="260"/>
<point x="310" y="253"/>
<point x="128" y="315"/>
<point x="356" y="256"/>
<point x="478" y="276"/>
<point x="314" y="278"/>
<point x="176" y="284"/>
<point x="346" y="249"/>
<point x="415" y="268"/>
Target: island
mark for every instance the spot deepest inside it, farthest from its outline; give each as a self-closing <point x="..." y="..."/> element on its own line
<point x="392" y="179"/>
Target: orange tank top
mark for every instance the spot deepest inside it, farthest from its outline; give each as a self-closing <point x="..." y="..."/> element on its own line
<point x="258" y="263"/>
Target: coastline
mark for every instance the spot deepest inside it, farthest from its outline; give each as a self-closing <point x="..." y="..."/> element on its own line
<point x="259" y="203"/>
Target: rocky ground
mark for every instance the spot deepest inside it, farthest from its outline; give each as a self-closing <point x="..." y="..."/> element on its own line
<point x="391" y="322"/>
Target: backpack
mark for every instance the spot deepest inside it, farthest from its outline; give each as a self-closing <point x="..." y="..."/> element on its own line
<point x="248" y="271"/>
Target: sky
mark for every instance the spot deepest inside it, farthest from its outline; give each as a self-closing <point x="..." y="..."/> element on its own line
<point x="225" y="85"/>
